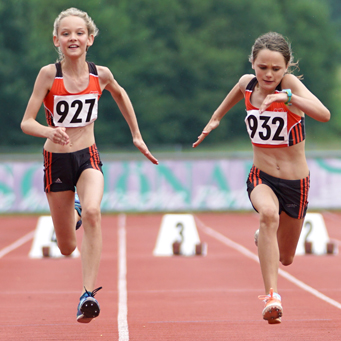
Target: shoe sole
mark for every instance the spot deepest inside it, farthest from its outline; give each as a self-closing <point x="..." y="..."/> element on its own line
<point x="256" y="236"/>
<point x="78" y="224"/>
<point x="79" y="212"/>
<point x="275" y="321"/>
<point x="83" y="319"/>
<point x="89" y="309"/>
<point x="273" y="314"/>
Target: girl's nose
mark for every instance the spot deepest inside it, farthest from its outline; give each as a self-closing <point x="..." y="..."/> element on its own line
<point x="269" y="74"/>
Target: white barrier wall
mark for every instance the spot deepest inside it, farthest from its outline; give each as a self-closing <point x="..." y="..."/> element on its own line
<point x="174" y="185"/>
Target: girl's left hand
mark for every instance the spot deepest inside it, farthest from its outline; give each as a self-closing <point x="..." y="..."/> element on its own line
<point x="139" y="143"/>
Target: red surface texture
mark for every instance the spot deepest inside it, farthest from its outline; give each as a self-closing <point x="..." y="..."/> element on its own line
<point x="211" y="297"/>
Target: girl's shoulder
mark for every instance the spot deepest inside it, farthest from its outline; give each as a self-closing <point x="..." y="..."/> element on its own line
<point x="48" y="71"/>
<point x="46" y="77"/>
<point x="105" y="76"/>
<point x="289" y="81"/>
<point x="103" y="72"/>
<point x="244" y="81"/>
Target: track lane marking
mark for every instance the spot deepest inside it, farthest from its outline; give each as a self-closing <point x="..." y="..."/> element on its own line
<point x="21" y="241"/>
<point x="246" y="252"/>
<point x="122" y="317"/>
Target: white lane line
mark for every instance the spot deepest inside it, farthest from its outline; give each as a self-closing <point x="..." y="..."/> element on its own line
<point x="209" y="231"/>
<point x="122" y="317"/>
<point x="17" y="244"/>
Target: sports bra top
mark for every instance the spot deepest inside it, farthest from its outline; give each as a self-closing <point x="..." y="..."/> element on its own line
<point x="65" y="109"/>
<point x="276" y="127"/>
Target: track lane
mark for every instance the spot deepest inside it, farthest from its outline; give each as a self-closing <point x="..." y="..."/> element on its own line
<point x="169" y="298"/>
<point x="215" y="297"/>
<point x="39" y="297"/>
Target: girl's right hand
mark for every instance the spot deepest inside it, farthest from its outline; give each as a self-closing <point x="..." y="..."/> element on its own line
<point x="59" y="136"/>
<point x="210" y="126"/>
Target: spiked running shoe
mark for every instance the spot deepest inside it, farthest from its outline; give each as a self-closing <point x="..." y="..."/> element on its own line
<point x="256" y="235"/>
<point x="273" y="308"/>
<point x="88" y="307"/>
<point x="78" y="208"/>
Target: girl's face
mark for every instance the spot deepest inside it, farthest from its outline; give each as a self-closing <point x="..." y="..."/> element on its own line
<point x="270" y="68"/>
<point x="72" y="37"/>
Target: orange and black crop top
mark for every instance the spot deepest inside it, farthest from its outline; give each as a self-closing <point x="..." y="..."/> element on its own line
<point x="276" y="127"/>
<point x="65" y="109"/>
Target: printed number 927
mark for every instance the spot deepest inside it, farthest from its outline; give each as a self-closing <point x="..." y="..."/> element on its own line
<point x="63" y="109"/>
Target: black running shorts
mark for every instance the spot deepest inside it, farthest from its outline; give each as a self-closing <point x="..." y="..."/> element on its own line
<point x="292" y="194"/>
<point x="62" y="170"/>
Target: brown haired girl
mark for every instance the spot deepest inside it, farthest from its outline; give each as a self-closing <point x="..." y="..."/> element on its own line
<point x="276" y="102"/>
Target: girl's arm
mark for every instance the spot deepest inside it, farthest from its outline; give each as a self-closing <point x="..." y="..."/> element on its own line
<point x="29" y="124"/>
<point x="122" y="100"/>
<point x="233" y="97"/>
<point x="302" y="99"/>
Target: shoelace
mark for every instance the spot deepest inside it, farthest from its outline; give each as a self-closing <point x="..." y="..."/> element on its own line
<point x="266" y="298"/>
<point x="92" y="293"/>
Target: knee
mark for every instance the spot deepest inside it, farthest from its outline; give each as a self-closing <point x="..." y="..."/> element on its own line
<point x="286" y="260"/>
<point x="286" y="257"/>
<point x="66" y="249"/>
<point x="269" y="217"/>
<point x="91" y="216"/>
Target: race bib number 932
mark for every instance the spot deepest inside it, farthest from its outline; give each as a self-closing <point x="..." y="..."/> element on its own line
<point x="75" y="110"/>
<point x="270" y="127"/>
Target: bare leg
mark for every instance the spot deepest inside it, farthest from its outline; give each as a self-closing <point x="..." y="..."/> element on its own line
<point x="64" y="219"/>
<point x="266" y="203"/>
<point x="278" y="235"/>
<point x="288" y="235"/>
<point x="90" y="191"/>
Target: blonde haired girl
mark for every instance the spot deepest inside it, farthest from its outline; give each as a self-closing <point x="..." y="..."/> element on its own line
<point x="70" y="90"/>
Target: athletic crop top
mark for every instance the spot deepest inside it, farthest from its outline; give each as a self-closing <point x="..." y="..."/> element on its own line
<point x="65" y="109"/>
<point x="276" y="127"/>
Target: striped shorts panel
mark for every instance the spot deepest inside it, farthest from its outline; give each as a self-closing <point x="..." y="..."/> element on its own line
<point x="292" y="194"/>
<point x="62" y="170"/>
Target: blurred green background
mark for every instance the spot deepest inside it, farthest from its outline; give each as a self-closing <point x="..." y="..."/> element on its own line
<point x="177" y="59"/>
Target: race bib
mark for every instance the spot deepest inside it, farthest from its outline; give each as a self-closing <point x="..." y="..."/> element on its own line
<point x="270" y="127"/>
<point x="75" y="110"/>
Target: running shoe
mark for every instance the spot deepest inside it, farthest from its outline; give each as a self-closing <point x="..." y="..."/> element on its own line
<point x="273" y="308"/>
<point x="256" y="237"/>
<point x="78" y="208"/>
<point x="88" y="307"/>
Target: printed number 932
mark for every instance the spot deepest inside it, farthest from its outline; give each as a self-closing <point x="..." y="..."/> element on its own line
<point x="266" y="128"/>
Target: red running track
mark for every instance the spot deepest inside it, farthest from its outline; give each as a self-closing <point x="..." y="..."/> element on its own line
<point x="168" y="298"/>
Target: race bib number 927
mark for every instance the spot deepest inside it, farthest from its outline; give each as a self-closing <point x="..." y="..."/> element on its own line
<point x="270" y="127"/>
<point x="75" y="110"/>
